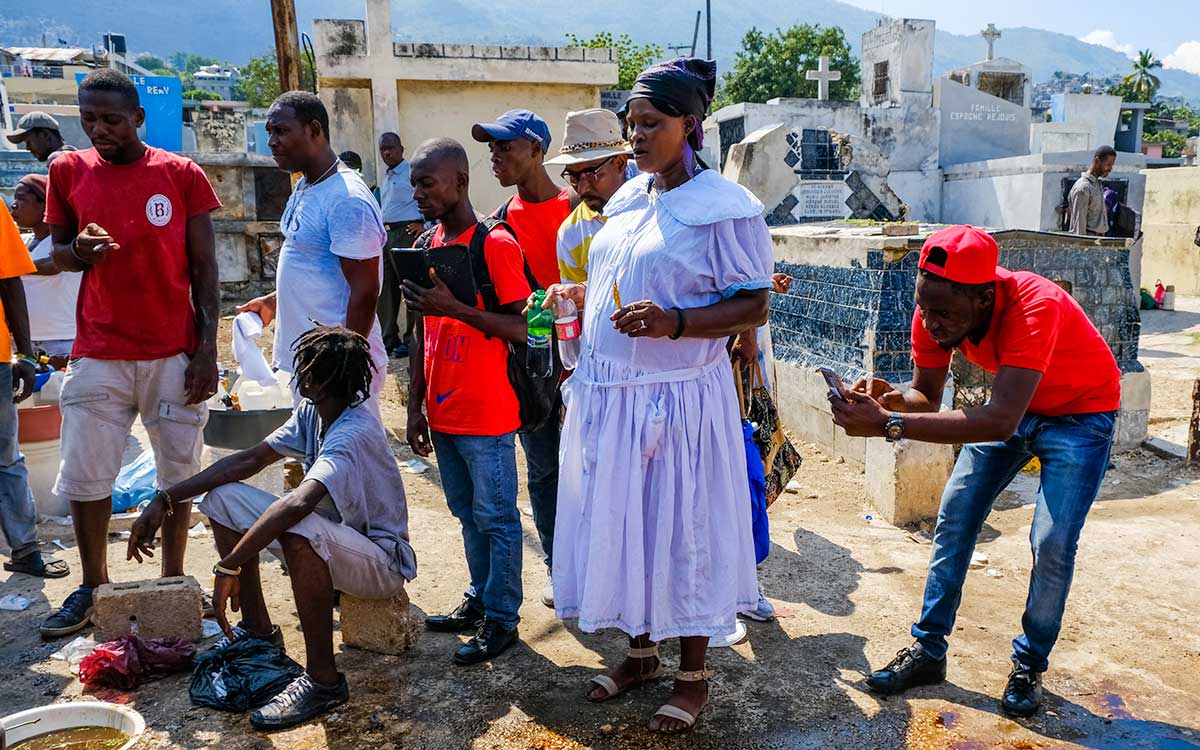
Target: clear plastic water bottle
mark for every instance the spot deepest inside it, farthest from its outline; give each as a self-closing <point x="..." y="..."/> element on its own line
<point x="539" y="358"/>
<point x="566" y="329"/>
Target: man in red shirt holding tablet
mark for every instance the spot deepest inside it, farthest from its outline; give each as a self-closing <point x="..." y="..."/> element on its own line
<point x="1055" y="397"/>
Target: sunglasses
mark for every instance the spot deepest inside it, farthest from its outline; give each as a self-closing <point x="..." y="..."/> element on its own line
<point x="590" y="173"/>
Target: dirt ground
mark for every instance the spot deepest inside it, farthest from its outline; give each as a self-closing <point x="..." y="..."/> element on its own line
<point x="1125" y="674"/>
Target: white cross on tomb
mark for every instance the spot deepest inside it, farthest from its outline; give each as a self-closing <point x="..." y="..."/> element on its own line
<point x="991" y="34"/>
<point x="823" y="75"/>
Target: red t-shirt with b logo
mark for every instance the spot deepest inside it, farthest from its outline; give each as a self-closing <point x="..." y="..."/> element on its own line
<point x="137" y="304"/>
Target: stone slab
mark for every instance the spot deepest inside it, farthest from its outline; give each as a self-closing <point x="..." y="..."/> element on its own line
<point x="161" y="608"/>
<point x="904" y="480"/>
<point x="384" y="626"/>
<point x="1133" y="418"/>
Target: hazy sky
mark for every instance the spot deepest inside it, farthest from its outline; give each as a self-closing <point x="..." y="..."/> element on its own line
<point x="1168" y="27"/>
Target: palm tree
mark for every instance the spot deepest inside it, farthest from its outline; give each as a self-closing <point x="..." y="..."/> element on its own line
<point x="1142" y="82"/>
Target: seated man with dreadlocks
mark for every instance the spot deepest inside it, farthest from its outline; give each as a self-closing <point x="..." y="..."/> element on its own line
<point x="345" y="527"/>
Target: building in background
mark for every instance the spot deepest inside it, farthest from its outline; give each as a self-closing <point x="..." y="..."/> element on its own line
<point x="221" y="80"/>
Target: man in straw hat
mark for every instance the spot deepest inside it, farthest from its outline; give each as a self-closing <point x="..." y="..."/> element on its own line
<point x="593" y="157"/>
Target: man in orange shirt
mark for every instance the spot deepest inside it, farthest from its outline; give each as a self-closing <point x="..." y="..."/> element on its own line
<point x="518" y="141"/>
<point x="458" y="374"/>
<point x="18" y="514"/>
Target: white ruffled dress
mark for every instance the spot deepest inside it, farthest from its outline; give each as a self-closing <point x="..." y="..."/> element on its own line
<point x="653" y="532"/>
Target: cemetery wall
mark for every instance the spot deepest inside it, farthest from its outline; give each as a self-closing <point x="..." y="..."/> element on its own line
<point x="1170" y="222"/>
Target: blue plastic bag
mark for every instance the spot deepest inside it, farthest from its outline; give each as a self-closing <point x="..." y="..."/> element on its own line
<point x="135" y="483"/>
<point x="758" y="495"/>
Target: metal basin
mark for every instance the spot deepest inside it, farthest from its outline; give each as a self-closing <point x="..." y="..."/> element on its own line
<point x="74" y="716"/>
<point x="238" y="430"/>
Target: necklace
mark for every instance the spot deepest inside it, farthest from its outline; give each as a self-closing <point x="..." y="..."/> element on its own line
<point x="291" y="218"/>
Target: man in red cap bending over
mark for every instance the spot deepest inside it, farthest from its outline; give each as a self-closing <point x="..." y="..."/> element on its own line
<point x="1055" y="397"/>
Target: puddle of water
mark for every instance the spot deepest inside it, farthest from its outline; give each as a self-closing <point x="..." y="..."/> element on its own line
<point x="1114" y="707"/>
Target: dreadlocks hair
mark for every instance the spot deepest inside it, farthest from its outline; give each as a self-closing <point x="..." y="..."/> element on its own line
<point x="336" y="360"/>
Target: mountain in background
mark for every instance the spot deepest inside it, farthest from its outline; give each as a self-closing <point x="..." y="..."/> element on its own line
<point x="235" y="30"/>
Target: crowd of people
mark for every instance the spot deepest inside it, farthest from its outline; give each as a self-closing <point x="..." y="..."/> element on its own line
<point x="638" y="481"/>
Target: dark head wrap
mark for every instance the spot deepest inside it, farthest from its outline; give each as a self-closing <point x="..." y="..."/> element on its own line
<point x="36" y="183"/>
<point x="683" y="86"/>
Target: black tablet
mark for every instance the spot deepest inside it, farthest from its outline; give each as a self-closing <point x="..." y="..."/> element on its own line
<point x="411" y="265"/>
<point x="453" y="266"/>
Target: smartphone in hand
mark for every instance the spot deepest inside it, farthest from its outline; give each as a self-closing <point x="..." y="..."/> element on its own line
<point x="834" y="381"/>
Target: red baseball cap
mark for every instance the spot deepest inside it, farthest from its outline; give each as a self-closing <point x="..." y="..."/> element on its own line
<point x="962" y="253"/>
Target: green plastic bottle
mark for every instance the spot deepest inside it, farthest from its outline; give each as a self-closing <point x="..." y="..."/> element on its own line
<point x="539" y="356"/>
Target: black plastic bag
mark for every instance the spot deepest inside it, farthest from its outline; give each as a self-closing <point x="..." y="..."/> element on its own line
<point x="243" y="676"/>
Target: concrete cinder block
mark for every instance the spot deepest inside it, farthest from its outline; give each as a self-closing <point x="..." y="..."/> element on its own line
<point x="385" y="626"/>
<point x="429" y="50"/>
<point x="541" y="53"/>
<point x="487" y="51"/>
<point x="458" y="50"/>
<point x="403" y="49"/>
<point x="904" y="480"/>
<point x="1133" y="418"/>
<point x="573" y="54"/>
<point x="601" y="55"/>
<point x="161" y="608"/>
<point x="518" y="52"/>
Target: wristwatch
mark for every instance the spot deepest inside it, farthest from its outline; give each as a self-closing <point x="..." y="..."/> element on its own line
<point x="894" y="429"/>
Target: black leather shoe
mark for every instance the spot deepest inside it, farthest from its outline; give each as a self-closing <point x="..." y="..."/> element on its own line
<point x="1023" y="695"/>
<point x="466" y="618"/>
<point x="492" y="640"/>
<point x="910" y="668"/>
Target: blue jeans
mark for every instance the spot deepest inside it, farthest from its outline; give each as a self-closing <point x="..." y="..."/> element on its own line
<point x="479" y="477"/>
<point x="18" y="515"/>
<point x="541" y="459"/>
<point x="1073" y="451"/>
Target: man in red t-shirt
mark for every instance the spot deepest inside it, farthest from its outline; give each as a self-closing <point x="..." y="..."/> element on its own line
<point x="1054" y="397"/>
<point x="458" y="372"/>
<point x="518" y="141"/>
<point x="135" y="221"/>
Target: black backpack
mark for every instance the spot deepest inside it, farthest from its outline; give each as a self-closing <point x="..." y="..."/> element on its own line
<point x="538" y="397"/>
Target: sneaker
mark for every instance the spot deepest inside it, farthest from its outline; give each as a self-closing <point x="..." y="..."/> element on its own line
<point x="764" y="611"/>
<point x="299" y="702"/>
<point x="240" y="634"/>
<point x="911" y="667"/>
<point x="74" y="615"/>
<point x="738" y="635"/>
<point x="1023" y="695"/>
<point x="548" y="591"/>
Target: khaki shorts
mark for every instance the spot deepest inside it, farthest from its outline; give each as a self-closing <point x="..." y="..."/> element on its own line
<point x="100" y="399"/>
<point x="356" y="564"/>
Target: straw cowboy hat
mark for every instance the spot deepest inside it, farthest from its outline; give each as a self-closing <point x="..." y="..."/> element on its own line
<point x="590" y="135"/>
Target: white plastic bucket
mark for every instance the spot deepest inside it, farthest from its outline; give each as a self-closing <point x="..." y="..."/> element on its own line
<point x="41" y="461"/>
<point x="74" y="716"/>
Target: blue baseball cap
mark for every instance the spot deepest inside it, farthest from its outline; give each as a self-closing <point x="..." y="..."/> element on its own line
<point x="514" y="124"/>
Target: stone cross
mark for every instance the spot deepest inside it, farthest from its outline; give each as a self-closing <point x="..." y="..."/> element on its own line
<point x="991" y="34"/>
<point x="823" y="75"/>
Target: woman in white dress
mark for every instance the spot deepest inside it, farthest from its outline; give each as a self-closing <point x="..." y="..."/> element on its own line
<point x="653" y="534"/>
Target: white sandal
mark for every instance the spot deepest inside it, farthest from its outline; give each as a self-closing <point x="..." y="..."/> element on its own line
<point x="609" y="685"/>
<point x="674" y="712"/>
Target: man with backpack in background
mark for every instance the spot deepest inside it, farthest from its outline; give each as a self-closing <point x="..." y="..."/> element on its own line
<point x="518" y="141"/>
<point x="458" y="369"/>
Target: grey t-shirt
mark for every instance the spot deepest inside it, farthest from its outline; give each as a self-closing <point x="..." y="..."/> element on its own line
<point x="354" y="462"/>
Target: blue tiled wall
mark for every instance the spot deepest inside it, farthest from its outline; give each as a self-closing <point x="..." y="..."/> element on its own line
<point x="831" y="315"/>
<point x="826" y="317"/>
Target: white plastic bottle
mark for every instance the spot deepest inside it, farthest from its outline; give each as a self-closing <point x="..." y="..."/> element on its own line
<point x="566" y="329"/>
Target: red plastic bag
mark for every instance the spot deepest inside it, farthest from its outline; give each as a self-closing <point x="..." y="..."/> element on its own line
<point x="124" y="662"/>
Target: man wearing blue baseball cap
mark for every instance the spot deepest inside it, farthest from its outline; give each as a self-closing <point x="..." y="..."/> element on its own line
<point x="518" y="141"/>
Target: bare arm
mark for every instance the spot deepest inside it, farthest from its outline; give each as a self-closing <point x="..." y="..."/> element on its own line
<point x="46" y="267"/>
<point x="12" y="294"/>
<point x="729" y="317"/>
<point x="1012" y="390"/>
<point x="234" y="468"/>
<point x="363" y="278"/>
<point x="200" y="381"/>
<point x="417" y="430"/>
